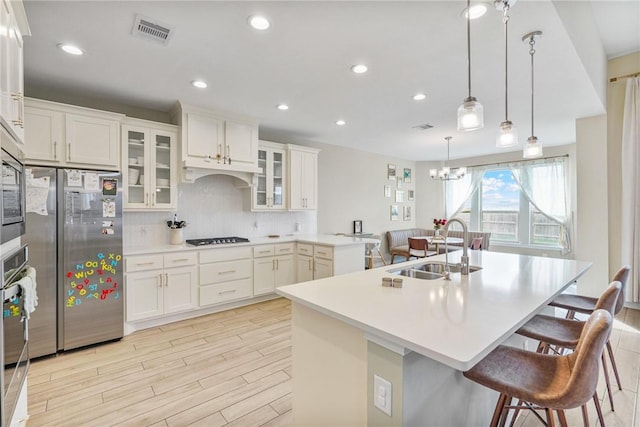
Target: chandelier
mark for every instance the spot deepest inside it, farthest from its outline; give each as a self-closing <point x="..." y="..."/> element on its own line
<point x="446" y="173"/>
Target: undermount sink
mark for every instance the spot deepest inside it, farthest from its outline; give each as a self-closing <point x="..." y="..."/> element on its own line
<point x="430" y="270"/>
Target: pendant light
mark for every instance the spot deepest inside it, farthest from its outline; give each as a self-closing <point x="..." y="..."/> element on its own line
<point x="533" y="148"/>
<point x="471" y="112"/>
<point x="446" y="173"/>
<point x="507" y="132"/>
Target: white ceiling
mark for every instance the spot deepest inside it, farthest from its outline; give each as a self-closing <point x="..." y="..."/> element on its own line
<point x="303" y="60"/>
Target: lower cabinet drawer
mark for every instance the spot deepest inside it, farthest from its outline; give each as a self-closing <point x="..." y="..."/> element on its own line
<point x="223" y="292"/>
<point x="226" y="271"/>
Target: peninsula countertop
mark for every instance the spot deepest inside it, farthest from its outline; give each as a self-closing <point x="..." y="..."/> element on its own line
<point x="455" y="322"/>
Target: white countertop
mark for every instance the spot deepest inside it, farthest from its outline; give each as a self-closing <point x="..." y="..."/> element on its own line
<point x="455" y="322"/>
<point x="321" y="239"/>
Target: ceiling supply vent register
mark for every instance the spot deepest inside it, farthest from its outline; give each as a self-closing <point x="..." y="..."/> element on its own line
<point x="150" y="29"/>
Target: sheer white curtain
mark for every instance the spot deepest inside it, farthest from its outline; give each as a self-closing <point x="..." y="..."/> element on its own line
<point x="458" y="192"/>
<point x="544" y="184"/>
<point x="630" y="238"/>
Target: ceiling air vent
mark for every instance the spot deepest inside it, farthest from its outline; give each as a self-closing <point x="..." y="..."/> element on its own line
<point x="151" y="29"/>
<point x="423" y="127"/>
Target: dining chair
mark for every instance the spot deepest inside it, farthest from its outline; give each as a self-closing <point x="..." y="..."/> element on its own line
<point x="370" y="249"/>
<point x="419" y="248"/>
<point x="546" y="381"/>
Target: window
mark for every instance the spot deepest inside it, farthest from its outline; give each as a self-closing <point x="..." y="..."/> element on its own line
<point x="521" y="204"/>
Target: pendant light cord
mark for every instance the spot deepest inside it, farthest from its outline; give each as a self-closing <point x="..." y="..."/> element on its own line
<point x="532" y="51"/>
<point x="469" y="46"/>
<point x="505" y="19"/>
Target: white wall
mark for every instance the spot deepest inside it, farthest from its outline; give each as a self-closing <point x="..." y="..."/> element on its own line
<point x="591" y="241"/>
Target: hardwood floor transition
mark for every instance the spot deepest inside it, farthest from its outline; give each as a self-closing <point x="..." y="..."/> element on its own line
<point x="229" y="369"/>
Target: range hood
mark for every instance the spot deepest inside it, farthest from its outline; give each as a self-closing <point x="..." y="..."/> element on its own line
<point x="194" y="169"/>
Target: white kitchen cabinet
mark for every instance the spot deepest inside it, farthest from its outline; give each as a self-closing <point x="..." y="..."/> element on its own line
<point x="216" y="140"/>
<point x="270" y="194"/>
<point x="149" y="153"/>
<point x="160" y="284"/>
<point x="273" y="266"/>
<point x="226" y="274"/>
<point x="66" y="135"/>
<point x="313" y="262"/>
<point x="303" y="178"/>
<point x="13" y="25"/>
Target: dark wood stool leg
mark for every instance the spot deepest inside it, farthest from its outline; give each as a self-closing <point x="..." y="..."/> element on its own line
<point x="607" y="381"/>
<point x="598" y="408"/>
<point x="613" y="363"/>
<point x="505" y="411"/>
<point x="562" y="418"/>
<point x="550" y="420"/>
<point x="497" y="414"/>
<point x="585" y="415"/>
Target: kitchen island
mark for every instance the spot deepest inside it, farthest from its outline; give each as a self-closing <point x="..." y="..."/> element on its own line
<point x="420" y="338"/>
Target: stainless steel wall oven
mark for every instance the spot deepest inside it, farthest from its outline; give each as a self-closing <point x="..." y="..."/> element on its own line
<point x="13" y="332"/>
<point x="12" y="186"/>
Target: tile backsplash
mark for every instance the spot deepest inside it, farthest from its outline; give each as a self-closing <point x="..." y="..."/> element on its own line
<point x="214" y="206"/>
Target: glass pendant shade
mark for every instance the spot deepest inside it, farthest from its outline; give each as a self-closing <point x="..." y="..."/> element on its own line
<point x="507" y="135"/>
<point x="470" y="115"/>
<point x="533" y="149"/>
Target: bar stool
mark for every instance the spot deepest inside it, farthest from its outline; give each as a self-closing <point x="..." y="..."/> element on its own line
<point x="583" y="304"/>
<point x="546" y="381"/>
<point x="565" y="333"/>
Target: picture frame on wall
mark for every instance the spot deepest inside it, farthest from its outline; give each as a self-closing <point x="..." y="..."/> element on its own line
<point x="391" y="172"/>
<point x="395" y="216"/>
<point x="407" y="213"/>
<point x="411" y="195"/>
<point x="399" y="196"/>
<point x="407" y="175"/>
<point x="357" y="226"/>
<point x="387" y="191"/>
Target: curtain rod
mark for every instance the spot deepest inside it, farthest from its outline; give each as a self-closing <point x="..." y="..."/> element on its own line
<point x="626" y="76"/>
<point x="518" y="161"/>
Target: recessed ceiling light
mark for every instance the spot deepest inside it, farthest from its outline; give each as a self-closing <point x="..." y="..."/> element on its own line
<point x="359" y="69"/>
<point x="341" y="122"/>
<point x="71" y="49"/>
<point x="199" y="84"/>
<point x="259" y="22"/>
<point x="282" y="107"/>
<point x="477" y="10"/>
<point x="419" y="96"/>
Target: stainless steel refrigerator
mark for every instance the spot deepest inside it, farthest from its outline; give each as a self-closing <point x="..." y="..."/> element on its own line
<point x="74" y="233"/>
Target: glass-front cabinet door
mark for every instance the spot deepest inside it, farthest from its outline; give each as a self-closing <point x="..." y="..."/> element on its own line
<point x="270" y="193"/>
<point x="150" y="177"/>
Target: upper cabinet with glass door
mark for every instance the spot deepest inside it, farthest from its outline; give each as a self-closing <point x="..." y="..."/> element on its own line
<point x="270" y="193"/>
<point x="149" y="151"/>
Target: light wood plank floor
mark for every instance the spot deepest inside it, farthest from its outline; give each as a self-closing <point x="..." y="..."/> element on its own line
<point x="229" y="369"/>
<point x="226" y="369"/>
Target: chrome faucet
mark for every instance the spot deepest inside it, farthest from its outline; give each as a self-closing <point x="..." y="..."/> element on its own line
<point x="464" y="260"/>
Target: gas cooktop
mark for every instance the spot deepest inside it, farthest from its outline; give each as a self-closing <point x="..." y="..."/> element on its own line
<point x="216" y="241"/>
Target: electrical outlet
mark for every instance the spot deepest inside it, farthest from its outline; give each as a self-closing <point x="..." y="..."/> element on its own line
<point x="382" y="394"/>
<point x="298" y="227"/>
<point x="255" y="225"/>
